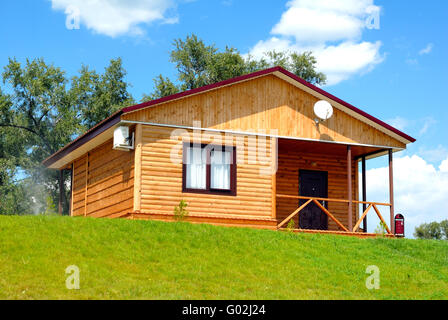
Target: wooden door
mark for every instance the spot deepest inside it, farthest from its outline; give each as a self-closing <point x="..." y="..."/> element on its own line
<point x="313" y="184"/>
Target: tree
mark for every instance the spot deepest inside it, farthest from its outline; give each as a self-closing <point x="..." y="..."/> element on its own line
<point x="39" y="115"/>
<point x="226" y="65"/>
<point x="11" y="190"/>
<point x="431" y="230"/>
<point x="38" y="106"/>
<point x="192" y="59"/>
<point x="199" y="64"/>
<point x="37" y="120"/>
<point x="163" y="88"/>
<point x="98" y="96"/>
<point x="302" y="65"/>
<point x="444" y="228"/>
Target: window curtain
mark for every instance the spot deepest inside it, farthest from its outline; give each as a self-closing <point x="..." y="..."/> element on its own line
<point x="220" y="170"/>
<point x="196" y="168"/>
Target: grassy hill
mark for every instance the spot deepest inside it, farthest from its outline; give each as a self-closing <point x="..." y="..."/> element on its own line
<point x="124" y="259"/>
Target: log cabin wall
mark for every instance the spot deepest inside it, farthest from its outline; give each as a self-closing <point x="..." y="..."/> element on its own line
<point x="161" y="178"/>
<point x="103" y="183"/>
<point x="265" y="103"/>
<point x="289" y="164"/>
<point x="79" y="186"/>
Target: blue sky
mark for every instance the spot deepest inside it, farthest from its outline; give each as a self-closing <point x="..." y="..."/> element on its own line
<point x="397" y="72"/>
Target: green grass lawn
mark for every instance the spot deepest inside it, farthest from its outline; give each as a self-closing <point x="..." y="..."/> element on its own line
<point x="125" y="259"/>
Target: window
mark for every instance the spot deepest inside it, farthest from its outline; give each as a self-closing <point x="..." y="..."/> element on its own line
<point x="209" y="169"/>
<point x="196" y="168"/>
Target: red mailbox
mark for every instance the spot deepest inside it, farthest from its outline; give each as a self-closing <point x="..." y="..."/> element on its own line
<point x="399" y="225"/>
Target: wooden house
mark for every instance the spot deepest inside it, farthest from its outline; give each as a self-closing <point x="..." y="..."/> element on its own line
<point x="243" y="152"/>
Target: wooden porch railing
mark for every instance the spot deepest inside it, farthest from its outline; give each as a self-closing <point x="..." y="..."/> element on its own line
<point x="331" y="216"/>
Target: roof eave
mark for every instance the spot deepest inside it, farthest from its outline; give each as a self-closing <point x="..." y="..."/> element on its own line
<point x="90" y="134"/>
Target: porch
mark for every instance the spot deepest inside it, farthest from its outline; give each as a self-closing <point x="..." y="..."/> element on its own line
<point x="317" y="187"/>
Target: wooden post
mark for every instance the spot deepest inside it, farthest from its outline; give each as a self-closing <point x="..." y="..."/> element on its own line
<point x="391" y="191"/>
<point x="349" y="187"/>
<point x="61" y="190"/>
<point x="364" y="192"/>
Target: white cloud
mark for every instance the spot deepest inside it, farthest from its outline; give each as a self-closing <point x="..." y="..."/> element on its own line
<point x="424" y="51"/>
<point x="427" y="49"/>
<point x="332" y="30"/>
<point x="421" y="190"/>
<point x="274" y="43"/>
<point x="311" y="25"/>
<point x="342" y="61"/>
<point x="433" y="155"/>
<point x="117" y="17"/>
<point x="444" y="166"/>
<point x="428" y="122"/>
<point x="399" y="123"/>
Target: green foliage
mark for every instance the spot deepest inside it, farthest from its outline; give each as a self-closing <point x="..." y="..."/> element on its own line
<point x="290" y="226"/>
<point x="38" y="106"/>
<point x="444" y="227"/>
<point x="304" y="66"/>
<point x="10" y="158"/>
<point x="97" y="96"/>
<point x="42" y="112"/>
<point x="50" y="208"/>
<point x="192" y="59"/>
<point x="163" y="88"/>
<point x="132" y="259"/>
<point x="381" y="229"/>
<point x="301" y="64"/>
<point x="199" y="64"/>
<point x="226" y="65"/>
<point x="433" y="230"/>
<point x="11" y="198"/>
<point x="180" y="211"/>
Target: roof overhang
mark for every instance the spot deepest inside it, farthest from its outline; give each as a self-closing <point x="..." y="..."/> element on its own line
<point x="84" y="143"/>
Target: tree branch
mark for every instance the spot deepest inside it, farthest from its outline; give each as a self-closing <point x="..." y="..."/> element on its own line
<point x="10" y="125"/>
<point x="45" y="141"/>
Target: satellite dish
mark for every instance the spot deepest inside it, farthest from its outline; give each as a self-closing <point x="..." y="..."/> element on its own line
<point x="323" y="110"/>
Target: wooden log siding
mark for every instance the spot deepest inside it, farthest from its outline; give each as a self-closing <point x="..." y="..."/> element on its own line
<point x="79" y="186"/>
<point x="103" y="183"/>
<point x="161" y="179"/>
<point x="289" y="164"/>
<point x="266" y="103"/>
